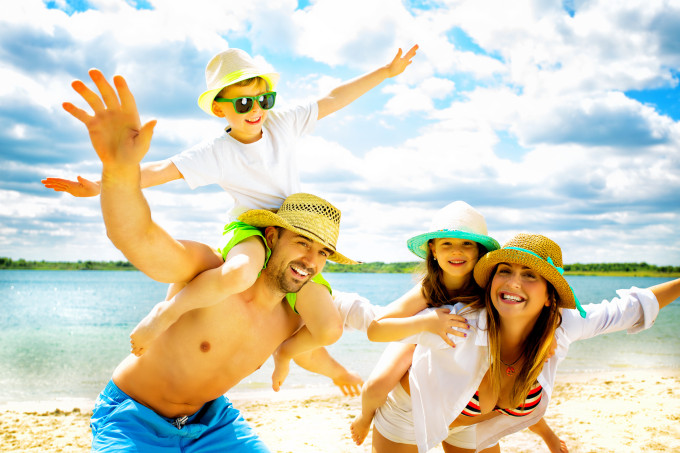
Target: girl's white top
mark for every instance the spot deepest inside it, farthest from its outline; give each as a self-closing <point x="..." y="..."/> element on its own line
<point x="444" y="379"/>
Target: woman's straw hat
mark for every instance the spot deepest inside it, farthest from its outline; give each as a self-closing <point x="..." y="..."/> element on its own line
<point x="455" y="220"/>
<point x="229" y="67"/>
<point x="304" y="214"/>
<point x="536" y="252"/>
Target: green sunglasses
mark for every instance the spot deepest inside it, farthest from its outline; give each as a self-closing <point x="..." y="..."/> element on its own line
<point x="244" y="104"/>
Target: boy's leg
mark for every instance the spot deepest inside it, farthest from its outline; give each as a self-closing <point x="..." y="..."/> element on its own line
<point x="393" y="364"/>
<point x="323" y="326"/>
<point x="240" y="270"/>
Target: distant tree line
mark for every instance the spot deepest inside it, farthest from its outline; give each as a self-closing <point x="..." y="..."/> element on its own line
<point x="376" y="267"/>
<point x="620" y="268"/>
<point x="9" y="263"/>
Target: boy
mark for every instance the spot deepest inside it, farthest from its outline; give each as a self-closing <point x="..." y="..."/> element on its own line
<point x="254" y="163"/>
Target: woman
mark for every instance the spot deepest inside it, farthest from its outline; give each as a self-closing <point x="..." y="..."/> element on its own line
<point x="497" y="381"/>
<point x="456" y="238"/>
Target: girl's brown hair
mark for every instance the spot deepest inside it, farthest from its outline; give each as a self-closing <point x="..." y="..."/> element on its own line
<point x="434" y="291"/>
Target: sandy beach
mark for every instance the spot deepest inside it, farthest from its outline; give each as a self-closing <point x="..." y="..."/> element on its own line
<point x="617" y="411"/>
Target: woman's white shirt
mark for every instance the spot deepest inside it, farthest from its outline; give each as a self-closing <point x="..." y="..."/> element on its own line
<point x="444" y="379"/>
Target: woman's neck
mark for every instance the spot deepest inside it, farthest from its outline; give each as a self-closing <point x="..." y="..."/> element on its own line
<point x="513" y="335"/>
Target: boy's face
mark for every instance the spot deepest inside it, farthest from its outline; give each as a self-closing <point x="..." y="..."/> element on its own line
<point x="245" y="127"/>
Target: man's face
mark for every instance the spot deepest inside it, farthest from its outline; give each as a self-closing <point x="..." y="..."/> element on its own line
<point x="295" y="259"/>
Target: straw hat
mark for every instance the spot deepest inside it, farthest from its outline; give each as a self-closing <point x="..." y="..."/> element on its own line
<point x="304" y="214"/>
<point x="536" y="252"/>
<point x="227" y="68"/>
<point x="455" y="220"/>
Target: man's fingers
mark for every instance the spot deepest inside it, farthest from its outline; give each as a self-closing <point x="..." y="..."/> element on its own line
<point x="108" y="94"/>
<point x="127" y="100"/>
<point x="88" y="95"/>
<point x="79" y="114"/>
<point x="146" y="133"/>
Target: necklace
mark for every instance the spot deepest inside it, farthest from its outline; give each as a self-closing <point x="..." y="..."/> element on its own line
<point x="510" y="370"/>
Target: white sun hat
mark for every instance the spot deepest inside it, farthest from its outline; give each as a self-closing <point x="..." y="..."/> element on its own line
<point x="229" y="67"/>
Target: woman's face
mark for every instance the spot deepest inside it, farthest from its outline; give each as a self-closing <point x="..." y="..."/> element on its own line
<point x="456" y="257"/>
<point x="518" y="291"/>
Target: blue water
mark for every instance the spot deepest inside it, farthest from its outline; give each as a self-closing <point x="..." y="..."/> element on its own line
<point x="63" y="332"/>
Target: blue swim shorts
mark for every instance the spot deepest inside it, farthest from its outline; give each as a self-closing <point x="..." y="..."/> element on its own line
<point x="120" y="423"/>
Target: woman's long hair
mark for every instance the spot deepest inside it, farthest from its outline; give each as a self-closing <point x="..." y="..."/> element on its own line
<point x="434" y="291"/>
<point x="535" y="349"/>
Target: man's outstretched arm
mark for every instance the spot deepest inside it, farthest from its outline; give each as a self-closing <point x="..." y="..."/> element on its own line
<point x="121" y="141"/>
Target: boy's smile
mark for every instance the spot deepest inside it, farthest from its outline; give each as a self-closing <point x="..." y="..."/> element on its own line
<point x="246" y="127"/>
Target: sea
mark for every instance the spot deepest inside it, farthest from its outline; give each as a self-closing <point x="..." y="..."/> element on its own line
<point x="62" y="333"/>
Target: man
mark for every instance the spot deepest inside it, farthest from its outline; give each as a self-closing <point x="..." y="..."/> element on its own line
<point x="171" y="397"/>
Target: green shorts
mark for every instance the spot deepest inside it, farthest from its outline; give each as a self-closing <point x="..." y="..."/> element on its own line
<point x="236" y="232"/>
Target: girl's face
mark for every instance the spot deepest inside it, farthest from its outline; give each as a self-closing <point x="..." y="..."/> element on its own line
<point x="456" y="257"/>
<point x="245" y="127"/>
<point x="518" y="291"/>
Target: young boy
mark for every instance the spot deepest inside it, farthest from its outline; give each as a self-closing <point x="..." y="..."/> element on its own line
<point x="254" y="162"/>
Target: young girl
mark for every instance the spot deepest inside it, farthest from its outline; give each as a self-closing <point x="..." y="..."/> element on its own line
<point x="499" y="379"/>
<point x="457" y="238"/>
<point x="253" y="159"/>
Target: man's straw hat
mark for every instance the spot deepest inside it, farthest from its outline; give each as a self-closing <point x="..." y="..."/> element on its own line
<point x="304" y="214"/>
<point x="229" y="67"/>
<point x="455" y="220"/>
<point x="536" y="252"/>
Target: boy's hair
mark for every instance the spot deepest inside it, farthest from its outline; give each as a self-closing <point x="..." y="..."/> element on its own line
<point x="245" y="83"/>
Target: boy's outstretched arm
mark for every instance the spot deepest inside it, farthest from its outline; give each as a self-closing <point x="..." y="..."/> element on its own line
<point x="348" y="92"/>
<point x="153" y="174"/>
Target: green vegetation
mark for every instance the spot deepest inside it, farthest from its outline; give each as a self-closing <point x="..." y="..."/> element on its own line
<point x="9" y="263"/>
<point x="611" y="269"/>
<point x="376" y="267"/>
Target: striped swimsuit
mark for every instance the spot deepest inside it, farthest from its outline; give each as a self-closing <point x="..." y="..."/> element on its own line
<point x="533" y="398"/>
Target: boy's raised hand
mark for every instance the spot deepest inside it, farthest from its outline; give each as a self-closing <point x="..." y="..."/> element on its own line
<point x="80" y="188"/>
<point x="399" y="63"/>
<point x="115" y="130"/>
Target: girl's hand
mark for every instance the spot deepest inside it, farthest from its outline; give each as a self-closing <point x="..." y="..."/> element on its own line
<point x="442" y="322"/>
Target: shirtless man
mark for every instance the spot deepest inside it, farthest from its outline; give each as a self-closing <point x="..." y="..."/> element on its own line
<point x="172" y="396"/>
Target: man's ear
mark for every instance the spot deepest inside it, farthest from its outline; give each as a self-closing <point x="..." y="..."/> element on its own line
<point x="271" y="234"/>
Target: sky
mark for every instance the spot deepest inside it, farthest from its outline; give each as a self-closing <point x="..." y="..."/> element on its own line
<point x="551" y="117"/>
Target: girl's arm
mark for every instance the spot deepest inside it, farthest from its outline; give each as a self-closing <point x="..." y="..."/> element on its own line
<point x="400" y="320"/>
<point x="153" y="174"/>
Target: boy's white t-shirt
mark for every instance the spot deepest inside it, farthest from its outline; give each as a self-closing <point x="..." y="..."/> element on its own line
<point x="258" y="175"/>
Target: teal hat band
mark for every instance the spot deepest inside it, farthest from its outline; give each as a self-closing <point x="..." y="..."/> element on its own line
<point x="580" y="309"/>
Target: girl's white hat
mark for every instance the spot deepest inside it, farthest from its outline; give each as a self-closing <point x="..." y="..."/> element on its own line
<point x="455" y="220"/>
